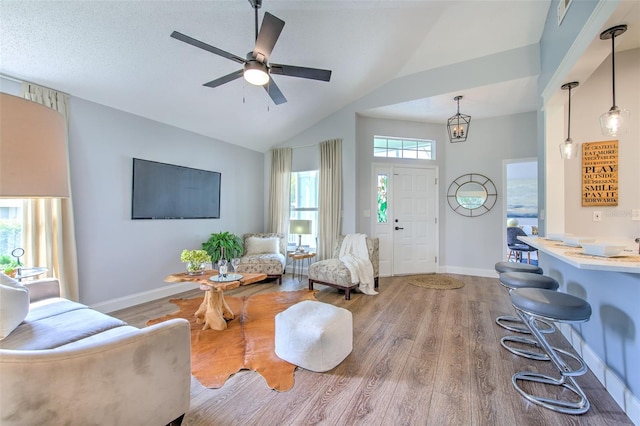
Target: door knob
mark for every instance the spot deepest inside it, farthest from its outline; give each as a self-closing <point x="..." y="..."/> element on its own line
<point x="398" y="228"/>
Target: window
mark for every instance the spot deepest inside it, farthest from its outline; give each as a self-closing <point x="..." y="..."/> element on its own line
<point x="417" y="149"/>
<point x="382" y="197"/>
<point x="10" y="229"/>
<point x="304" y="204"/>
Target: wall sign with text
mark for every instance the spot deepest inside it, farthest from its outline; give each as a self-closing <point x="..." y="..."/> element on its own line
<point x="600" y="173"/>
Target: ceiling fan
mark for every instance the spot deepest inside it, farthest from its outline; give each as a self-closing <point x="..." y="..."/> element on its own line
<point x="256" y="67"/>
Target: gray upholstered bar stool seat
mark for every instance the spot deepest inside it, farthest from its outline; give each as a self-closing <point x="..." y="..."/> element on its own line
<point x="533" y="305"/>
<point x="512" y="281"/>
<point x="517" y="267"/>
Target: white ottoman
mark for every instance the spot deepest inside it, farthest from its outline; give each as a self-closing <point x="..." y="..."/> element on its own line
<point x="314" y="335"/>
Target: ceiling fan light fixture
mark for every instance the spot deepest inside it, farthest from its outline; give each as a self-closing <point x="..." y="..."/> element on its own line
<point x="458" y="125"/>
<point x="256" y="73"/>
<point x="614" y="121"/>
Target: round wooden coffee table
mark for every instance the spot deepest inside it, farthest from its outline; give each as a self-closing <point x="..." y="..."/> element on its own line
<point x="214" y="311"/>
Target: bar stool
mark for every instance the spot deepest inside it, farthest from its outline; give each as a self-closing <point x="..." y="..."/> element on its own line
<point x="517" y="267"/>
<point x="532" y="305"/>
<point x="512" y="281"/>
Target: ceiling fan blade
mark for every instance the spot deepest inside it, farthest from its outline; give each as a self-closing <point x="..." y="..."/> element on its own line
<point x="268" y="36"/>
<point x="222" y="80"/>
<point x="197" y="43"/>
<point x="302" y="72"/>
<point x="274" y="92"/>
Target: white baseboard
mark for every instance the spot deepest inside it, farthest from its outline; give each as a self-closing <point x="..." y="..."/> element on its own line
<point x="138" y="298"/>
<point x="609" y="379"/>
<point x="488" y="273"/>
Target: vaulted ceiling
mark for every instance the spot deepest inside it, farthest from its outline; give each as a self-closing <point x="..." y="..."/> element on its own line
<point x="120" y="54"/>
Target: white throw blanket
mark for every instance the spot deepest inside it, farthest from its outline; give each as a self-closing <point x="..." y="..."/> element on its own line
<point x="355" y="256"/>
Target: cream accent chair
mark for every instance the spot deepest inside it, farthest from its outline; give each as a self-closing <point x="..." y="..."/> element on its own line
<point x="270" y="261"/>
<point x="67" y="364"/>
<point x="334" y="273"/>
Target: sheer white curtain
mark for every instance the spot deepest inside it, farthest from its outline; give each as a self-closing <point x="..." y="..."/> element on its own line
<point x="330" y="197"/>
<point x="48" y="229"/>
<point x="279" y="190"/>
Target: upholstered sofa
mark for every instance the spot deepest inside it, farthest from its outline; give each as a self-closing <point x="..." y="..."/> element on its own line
<point x="332" y="272"/>
<point x="67" y="364"/>
<point x="264" y="253"/>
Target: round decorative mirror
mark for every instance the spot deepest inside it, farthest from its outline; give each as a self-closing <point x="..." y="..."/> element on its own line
<point x="472" y="195"/>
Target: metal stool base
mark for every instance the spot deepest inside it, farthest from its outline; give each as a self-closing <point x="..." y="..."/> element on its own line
<point x="561" y="406"/>
<point x="537" y="356"/>
<point x="519" y="327"/>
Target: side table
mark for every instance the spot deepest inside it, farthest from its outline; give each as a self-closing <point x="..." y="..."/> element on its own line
<point x="298" y="262"/>
<point x="23" y="273"/>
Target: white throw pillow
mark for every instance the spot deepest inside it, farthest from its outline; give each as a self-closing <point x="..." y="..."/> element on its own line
<point x="257" y="245"/>
<point x="14" y="304"/>
<point x="8" y="281"/>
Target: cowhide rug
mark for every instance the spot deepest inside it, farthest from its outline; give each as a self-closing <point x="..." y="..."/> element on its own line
<point x="247" y="343"/>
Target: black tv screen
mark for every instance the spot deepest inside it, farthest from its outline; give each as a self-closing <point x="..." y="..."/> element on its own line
<point x="167" y="191"/>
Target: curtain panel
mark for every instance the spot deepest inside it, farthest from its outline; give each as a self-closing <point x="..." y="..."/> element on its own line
<point x="49" y="233"/>
<point x="330" y="197"/>
<point x="280" y="191"/>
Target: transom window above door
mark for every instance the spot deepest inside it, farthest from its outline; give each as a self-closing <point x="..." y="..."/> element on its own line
<point x="416" y="149"/>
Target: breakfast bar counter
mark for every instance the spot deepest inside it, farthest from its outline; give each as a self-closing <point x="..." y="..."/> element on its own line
<point x="627" y="261"/>
<point x="609" y="342"/>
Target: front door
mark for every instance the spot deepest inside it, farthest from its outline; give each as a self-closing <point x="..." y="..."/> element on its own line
<point x="409" y="238"/>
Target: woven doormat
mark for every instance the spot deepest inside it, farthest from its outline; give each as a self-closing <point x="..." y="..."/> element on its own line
<point x="434" y="281"/>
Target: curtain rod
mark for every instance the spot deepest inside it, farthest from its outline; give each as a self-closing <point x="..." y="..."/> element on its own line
<point x="17" y="80"/>
<point x="298" y="147"/>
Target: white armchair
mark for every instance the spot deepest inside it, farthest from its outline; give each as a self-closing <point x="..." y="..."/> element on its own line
<point x="264" y="253"/>
<point x="333" y="273"/>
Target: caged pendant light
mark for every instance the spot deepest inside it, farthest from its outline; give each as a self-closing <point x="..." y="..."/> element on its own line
<point x="568" y="149"/>
<point x="614" y="121"/>
<point x="458" y="125"/>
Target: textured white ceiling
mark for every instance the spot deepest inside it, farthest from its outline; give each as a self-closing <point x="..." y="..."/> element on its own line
<point x="120" y="54"/>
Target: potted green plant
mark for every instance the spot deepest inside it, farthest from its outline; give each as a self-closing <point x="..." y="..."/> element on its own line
<point x="8" y="266"/>
<point x="196" y="261"/>
<point x="231" y="242"/>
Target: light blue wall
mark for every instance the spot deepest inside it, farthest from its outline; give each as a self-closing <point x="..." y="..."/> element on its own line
<point x="557" y="40"/>
<point x="558" y="53"/>
<point x="612" y="332"/>
<point x="118" y="258"/>
<point x="504" y="66"/>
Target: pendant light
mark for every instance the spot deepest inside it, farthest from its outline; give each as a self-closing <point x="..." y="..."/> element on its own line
<point x="458" y="125"/>
<point x="614" y="121"/>
<point x="568" y="149"/>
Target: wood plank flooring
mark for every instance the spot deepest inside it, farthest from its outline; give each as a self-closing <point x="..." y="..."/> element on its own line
<point x="420" y="357"/>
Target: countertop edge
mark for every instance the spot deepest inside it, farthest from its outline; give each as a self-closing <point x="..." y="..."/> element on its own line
<point x="580" y="263"/>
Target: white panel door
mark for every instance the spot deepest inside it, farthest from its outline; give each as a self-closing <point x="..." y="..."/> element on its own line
<point x="414" y="221"/>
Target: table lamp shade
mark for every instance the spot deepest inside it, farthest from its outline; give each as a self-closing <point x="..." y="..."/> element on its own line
<point x="33" y="151"/>
<point x="300" y="226"/>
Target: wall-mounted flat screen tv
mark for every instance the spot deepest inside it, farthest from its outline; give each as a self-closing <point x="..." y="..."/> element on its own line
<point x="167" y="191"/>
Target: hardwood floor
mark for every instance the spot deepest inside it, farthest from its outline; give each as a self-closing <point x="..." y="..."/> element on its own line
<point x="420" y="357"/>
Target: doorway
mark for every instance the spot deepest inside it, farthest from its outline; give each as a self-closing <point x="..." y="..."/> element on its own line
<point x="521" y="200"/>
<point x="406" y="206"/>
